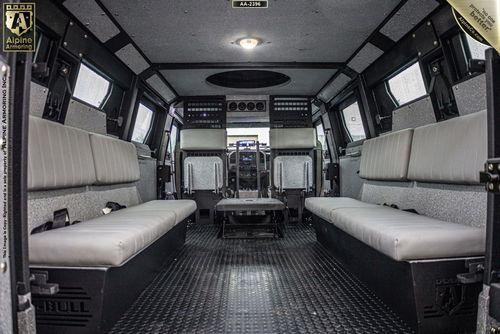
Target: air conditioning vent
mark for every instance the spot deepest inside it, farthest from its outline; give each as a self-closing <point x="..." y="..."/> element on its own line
<point x="246" y="106"/>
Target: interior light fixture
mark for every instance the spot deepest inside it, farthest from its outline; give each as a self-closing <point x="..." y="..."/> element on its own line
<point x="248" y="43"/>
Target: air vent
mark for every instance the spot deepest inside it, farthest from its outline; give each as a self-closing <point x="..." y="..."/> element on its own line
<point x="246" y="106"/>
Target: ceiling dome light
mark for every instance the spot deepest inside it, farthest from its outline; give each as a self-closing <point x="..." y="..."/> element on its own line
<point x="248" y="43"/>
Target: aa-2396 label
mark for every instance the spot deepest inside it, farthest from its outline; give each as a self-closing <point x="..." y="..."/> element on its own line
<point x="249" y="4"/>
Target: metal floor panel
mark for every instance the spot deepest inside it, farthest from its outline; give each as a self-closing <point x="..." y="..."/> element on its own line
<point x="290" y="285"/>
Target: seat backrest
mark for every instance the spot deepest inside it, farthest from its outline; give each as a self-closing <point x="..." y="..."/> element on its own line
<point x="71" y="168"/>
<point x="292" y="138"/>
<point x="203" y="139"/>
<point x="58" y="156"/>
<point x="453" y="151"/>
<point x="293" y="166"/>
<point x="386" y="157"/>
<point x="203" y="170"/>
<point x="115" y="160"/>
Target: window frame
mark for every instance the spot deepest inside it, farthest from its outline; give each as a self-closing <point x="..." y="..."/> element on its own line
<point x="345" y="104"/>
<point x="151" y="106"/>
<point x="327" y="148"/>
<point x="176" y="125"/>
<point x="101" y="74"/>
<point x="398" y="72"/>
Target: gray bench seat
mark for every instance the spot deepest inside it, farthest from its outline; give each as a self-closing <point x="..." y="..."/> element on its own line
<point x="62" y="158"/>
<point x="108" y="240"/>
<point x="182" y="208"/>
<point x="450" y="152"/>
<point x="324" y="206"/>
<point x="406" y="236"/>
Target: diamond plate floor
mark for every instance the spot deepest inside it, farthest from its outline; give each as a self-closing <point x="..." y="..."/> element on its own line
<point x="291" y="285"/>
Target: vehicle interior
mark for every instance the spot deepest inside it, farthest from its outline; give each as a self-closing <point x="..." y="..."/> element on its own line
<point x="201" y="167"/>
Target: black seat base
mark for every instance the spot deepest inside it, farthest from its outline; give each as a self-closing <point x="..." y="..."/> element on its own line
<point x="426" y="294"/>
<point x="91" y="300"/>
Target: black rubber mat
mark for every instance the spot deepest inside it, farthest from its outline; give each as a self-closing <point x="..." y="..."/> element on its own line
<point x="291" y="285"/>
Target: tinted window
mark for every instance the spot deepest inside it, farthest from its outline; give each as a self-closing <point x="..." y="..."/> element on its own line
<point x="142" y="123"/>
<point x="91" y="87"/>
<point x="408" y="85"/>
<point x="353" y="122"/>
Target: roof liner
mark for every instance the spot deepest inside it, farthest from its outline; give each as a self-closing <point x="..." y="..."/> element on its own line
<point x="193" y="31"/>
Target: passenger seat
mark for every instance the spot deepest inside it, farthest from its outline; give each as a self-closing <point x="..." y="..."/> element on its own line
<point x="62" y="157"/>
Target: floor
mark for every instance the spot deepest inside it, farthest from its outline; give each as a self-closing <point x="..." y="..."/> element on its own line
<point x="290" y="285"/>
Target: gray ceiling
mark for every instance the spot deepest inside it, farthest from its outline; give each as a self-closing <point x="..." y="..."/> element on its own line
<point x="202" y="30"/>
<point x="205" y="31"/>
<point x="303" y="82"/>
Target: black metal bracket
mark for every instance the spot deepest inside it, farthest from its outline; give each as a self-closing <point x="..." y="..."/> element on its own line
<point x="39" y="285"/>
<point x="475" y="274"/>
<point x="491" y="175"/>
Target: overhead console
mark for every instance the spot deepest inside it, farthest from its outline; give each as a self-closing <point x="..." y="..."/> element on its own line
<point x="290" y="112"/>
<point x="247" y="108"/>
<point x="208" y="112"/>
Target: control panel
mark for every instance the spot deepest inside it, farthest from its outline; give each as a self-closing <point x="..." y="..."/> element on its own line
<point x="205" y="113"/>
<point x="290" y="112"/>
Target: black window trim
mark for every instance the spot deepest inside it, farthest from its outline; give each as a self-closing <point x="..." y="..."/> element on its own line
<point x="325" y="131"/>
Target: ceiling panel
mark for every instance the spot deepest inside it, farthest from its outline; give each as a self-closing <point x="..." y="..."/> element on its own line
<point x="291" y="30"/>
<point x="92" y="16"/>
<point x="303" y="82"/>
<point x="411" y="14"/>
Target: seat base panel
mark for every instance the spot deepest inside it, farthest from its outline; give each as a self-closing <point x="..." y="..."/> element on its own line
<point x="91" y="300"/>
<point x="426" y="294"/>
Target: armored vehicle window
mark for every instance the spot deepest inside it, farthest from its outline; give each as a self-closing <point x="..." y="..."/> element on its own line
<point x="142" y="123"/>
<point x="408" y="85"/>
<point x="91" y="87"/>
<point x="353" y="122"/>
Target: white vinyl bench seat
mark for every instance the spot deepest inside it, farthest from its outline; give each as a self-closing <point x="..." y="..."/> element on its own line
<point x="324" y="206"/>
<point x="449" y="152"/>
<point x="406" y="236"/>
<point x="109" y="240"/>
<point x="64" y="157"/>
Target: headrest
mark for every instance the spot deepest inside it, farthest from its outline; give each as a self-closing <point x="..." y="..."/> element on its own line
<point x="58" y="156"/>
<point x="115" y="160"/>
<point x="292" y="138"/>
<point x="203" y="139"/>
<point x="452" y="151"/>
<point x="387" y="157"/>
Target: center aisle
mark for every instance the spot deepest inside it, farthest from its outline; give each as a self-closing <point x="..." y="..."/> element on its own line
<point x="290" y="285"/>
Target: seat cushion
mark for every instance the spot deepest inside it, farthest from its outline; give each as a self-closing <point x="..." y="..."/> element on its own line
<point x="453" y="151"/>
<point x="58" y="156"/>
<point x="386" y="157"/>
<point x="406" y="236"/>
<point x="108" y="240"/>
<point x="324" y="206"/>
<point x="250" y="204"/>
<point x="182" y="208"/>
<point x="115" y="160"/>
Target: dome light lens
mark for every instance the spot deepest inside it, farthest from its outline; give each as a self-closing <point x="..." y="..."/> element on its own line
<point x="248" y="43"/>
